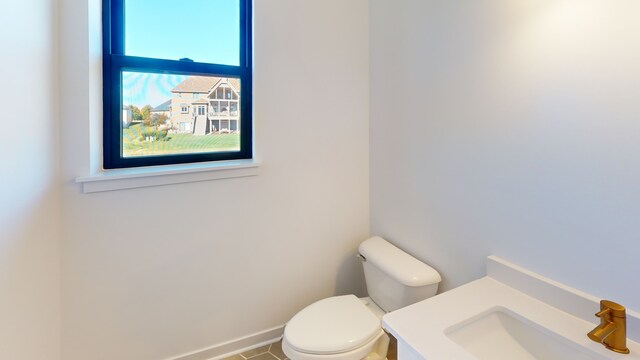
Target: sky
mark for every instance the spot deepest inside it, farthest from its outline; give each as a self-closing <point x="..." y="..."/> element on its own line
<point x="142" y="89"/>
<point x="201" y="30"/>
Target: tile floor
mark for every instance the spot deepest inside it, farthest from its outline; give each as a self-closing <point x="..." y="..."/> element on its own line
<point x="267" y="352"/>
<point x="274" y="352"/>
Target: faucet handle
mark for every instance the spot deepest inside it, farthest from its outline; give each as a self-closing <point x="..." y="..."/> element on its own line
<point x="611" y="308"/>
<point x="601" y="313"/>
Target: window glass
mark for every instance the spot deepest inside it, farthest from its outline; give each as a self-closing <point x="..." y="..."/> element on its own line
<point x="161" y="110"/>
<point x="156" y="119"/>
<point x="200" y="30"/>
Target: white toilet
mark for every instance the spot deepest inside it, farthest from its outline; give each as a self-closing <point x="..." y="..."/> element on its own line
<point x="348" y="328"/>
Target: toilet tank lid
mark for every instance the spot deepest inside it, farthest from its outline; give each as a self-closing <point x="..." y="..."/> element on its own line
<point x="399" y="265"/>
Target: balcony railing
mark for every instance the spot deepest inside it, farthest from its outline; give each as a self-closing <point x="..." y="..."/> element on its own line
<point x="223" y="113"/>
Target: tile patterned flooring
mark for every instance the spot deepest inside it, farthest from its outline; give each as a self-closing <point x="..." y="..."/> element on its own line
<point x="274" y="352"/>
<point x="266" y="352"/>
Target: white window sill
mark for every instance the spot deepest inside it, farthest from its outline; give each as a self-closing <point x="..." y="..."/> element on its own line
<point x="109" y="180"/>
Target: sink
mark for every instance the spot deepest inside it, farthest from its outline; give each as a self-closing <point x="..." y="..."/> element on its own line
<point x="509" y="314"/>
<point x="501" y="334"/>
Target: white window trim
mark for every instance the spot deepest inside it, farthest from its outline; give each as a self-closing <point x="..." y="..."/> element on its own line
<point x="120" y="179"/>
<point x="82" y="98"/>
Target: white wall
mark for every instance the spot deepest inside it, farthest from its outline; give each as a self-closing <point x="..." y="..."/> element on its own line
<point x="252" y="251"/>
<point x="510" y="128"/>
<point x="29" y="184"/>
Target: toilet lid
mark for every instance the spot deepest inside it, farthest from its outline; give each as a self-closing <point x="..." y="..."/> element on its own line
<point x="333" y="325"/>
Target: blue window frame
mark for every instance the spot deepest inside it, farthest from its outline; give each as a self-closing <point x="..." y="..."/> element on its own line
<point x="123" y="131"/>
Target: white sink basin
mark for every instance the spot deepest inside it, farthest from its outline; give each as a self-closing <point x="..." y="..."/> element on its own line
<point x="500" y="334"/>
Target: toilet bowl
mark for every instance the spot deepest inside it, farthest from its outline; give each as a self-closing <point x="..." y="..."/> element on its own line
<point x="348" y="328"/>
<point x="337" y="328"/>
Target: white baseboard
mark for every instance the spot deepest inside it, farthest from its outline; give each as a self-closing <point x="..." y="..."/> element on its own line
<point x="563" y="297"/>
<point x="235" y="346"/>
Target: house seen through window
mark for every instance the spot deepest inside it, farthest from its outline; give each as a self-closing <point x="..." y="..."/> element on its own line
<point x="177" y="81"/>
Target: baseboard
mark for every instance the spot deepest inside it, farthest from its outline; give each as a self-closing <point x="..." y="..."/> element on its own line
<point x="235" y="346"/>
<point x="570" y="300"/>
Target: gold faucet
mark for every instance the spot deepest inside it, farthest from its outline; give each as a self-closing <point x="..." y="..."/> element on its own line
<point x="612" y="331"/>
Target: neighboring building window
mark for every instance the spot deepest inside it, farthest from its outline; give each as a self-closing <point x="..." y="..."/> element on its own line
<point x="171" y="97"/>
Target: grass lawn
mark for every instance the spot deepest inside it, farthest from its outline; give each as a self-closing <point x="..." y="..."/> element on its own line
<point x="135" y="145"/>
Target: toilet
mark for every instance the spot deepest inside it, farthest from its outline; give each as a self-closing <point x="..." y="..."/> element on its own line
<point x="349" y="328"/>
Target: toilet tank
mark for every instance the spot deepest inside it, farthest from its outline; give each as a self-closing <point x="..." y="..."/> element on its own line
<point x="394" y="278"/>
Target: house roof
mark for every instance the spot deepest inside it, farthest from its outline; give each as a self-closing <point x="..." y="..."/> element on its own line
<point x="162" y="107"/>
<point x="203" y="84"/>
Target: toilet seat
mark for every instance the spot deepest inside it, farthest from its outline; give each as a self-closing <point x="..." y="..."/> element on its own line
<point x="332" y="326"/>
<point x="376" y="349"/>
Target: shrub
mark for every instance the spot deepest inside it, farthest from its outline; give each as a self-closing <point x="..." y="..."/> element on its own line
<point x="157" y="135"/>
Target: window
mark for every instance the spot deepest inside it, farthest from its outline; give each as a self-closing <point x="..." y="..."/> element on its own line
<point x="177" y="81"/>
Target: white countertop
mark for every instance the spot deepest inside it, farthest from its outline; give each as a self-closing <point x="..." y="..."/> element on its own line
<point x="421" y="326"/>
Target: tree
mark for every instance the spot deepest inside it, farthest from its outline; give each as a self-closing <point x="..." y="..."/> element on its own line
<point x="158" y="119"/>
<point x="136" y="114"/>
<point x="146" y="115"/>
